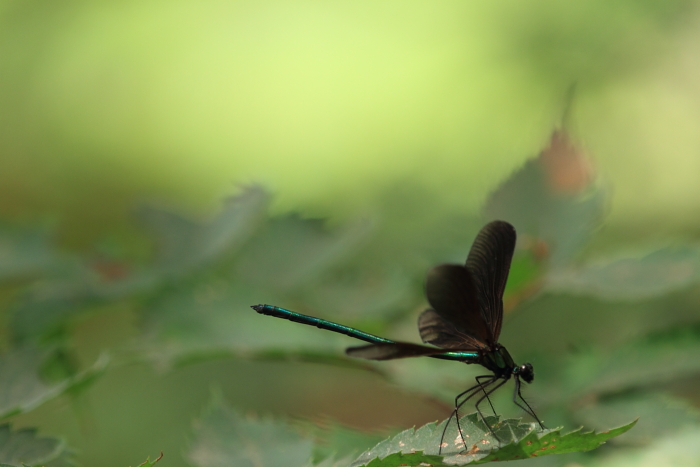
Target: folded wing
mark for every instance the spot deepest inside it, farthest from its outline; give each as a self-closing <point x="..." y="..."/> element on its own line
<point x="391" y="351"/>
<point x="489" y="263"/>
<point x="457" y="320"/>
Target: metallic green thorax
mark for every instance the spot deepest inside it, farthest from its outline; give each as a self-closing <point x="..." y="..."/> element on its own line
<point x="499" y="362"/>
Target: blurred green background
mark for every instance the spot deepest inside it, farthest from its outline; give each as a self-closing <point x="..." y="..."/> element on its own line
<point x="364" y="142"/>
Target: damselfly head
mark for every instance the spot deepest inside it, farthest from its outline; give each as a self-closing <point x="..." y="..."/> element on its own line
<point x="526" y="372"/>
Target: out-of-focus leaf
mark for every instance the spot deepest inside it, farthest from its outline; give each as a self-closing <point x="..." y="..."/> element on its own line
<point x="344" y="442"/>
<point x="334" y="462"/>
<point x="372" y="295"/>
<point x="656" y="413"/>
<point x="24" y="447"/>
<point x="183" y="244"/>
<point x="334" y="441"/>
<point x="209" y="312"/>
<point x="667" y="450"/>
<point x="214" y="316"/>
<point x="224" y="438"/>
<point x="46" y="307"/>
<point x="557" y="324"/>
<point x="51" y="304"/>
<point x="27" y="253"/>
<point x="440" y="378"/>
<point x="21" y="387"/>
<point x="654" y="359"/>
<point x="66" y="459"/>
<point x="289" y="251"/>
<point x="656" y="274"/>
<point x="551" y="199"/>
<point x="680" y="449"/>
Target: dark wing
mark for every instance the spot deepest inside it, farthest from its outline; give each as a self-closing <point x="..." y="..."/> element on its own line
<point x="453" y="294"/>
<point x="391" y="351"/>
<point x="437" y="331"/>
<point x="489" y="262"/>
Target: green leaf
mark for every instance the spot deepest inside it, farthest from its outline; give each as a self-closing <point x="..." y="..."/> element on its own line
<point x="223" y="438"/>
<point x="477" y="445"/>
<point x="289" y="251"/>
<point x="657" y="273"/>
<point x="429" y="440"/>
<point x="373" y="294"/>
<point x="209" y="312"/>
<point x="680" y="449"/>
<point x="558" y="324"/>
<point x="66" y="459"/>
<point x="333" y="440"/>
<point x="542" y="209"/>
<point x="21" y="386"/>
<point x="334" y="462"/>
<point x="20" y="447"/>
<point x="657" y="413"/>
<point x="214" y="317"/>
<point x="49" y="305"/>
<point x="553" y="442"/>
<point x="46" y="308"/>
<point x="654" y="359"/>
<point x="439" y="378"/>
<point x="183" y="244"/>
<point x="411" y="459"/>
<point x="27" y="253"/>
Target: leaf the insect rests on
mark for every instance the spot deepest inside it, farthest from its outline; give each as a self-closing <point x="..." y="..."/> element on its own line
<point x="410" y="459"/>
<point x="426" y="439"/>
<point x="518" y="441"/>
<point x="553" y="442"/>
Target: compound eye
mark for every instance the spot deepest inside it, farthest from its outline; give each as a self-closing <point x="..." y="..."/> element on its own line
<point x="527" y="373"/>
